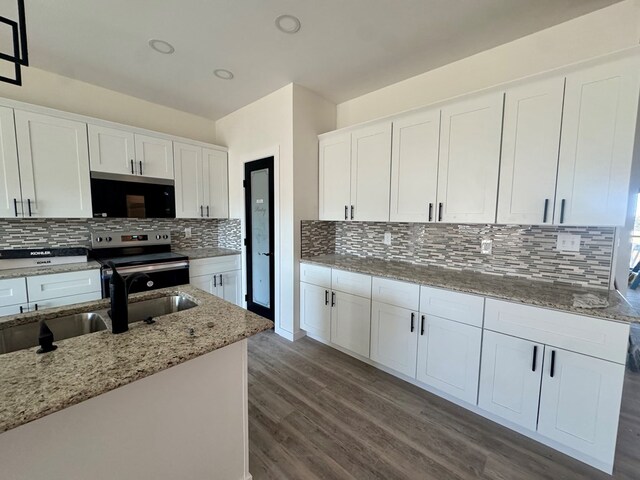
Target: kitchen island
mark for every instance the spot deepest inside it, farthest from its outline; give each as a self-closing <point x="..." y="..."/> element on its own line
<point x="165" y="400"/>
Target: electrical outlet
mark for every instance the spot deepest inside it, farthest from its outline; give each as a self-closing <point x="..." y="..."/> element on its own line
<point x="387" y="238"/>
<point x="187" y="232"/>
<point x="486" y="247"/>
<point x="568" y="243"/>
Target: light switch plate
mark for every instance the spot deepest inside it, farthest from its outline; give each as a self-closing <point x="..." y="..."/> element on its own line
<point x="568" y="242"/>
<point x="387" y="238"/>
<point x="486" y="247"/>
<point x="187" y="232"/>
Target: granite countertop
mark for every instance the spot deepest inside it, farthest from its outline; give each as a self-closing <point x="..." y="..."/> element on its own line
<point x="48" y="269"/>
<point x="209" y="252"/>
<point x="32" y="385"/>
<point x="530" y="292"/>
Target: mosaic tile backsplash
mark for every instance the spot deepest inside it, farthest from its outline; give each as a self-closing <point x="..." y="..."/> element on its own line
<point x="32" y="233"/>
<point x="518" y="250"/>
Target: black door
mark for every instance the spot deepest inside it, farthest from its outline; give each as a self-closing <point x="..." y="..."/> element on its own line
<point x="258" y="195"/>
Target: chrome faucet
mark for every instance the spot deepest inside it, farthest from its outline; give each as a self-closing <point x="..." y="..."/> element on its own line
<point x="119" y="296"/>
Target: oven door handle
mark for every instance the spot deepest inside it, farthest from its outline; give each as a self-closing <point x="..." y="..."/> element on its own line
<point x="156" y="267"/>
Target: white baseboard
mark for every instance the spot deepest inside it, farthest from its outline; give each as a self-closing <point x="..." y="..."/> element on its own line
<point x="291" y="336"/>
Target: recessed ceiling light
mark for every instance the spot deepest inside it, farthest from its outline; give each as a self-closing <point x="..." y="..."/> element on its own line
<point x="161" y="46"/>
<point x="223" y="74"/>
<point x="288" y="24"/>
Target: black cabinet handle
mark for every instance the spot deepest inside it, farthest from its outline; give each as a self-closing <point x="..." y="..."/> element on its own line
<point x="546" y="207"/>
<point x="326" y="297"/>
<point x="201" y="214"/>
<point x="333" y="299"/>
<point x="430" y="211"/>
<point x="422" y="325"/>
<point x="413" y="317"/>
<point x="36" y="305"/>
<point x="553" y="363"/>
<point x="215" y="281"/>
<point x="440" y="212"/>
<point x="132" y="172"/>
<point x="535" y="356"/>
<point x="207" y="210"/>
<point x="351" y="212"/>
<point x="140" y="167"/>
<point x="15" y="209"/>
<point x="562" y="203"/>
<point x="21" y="309"/>
<point x="29" y="205"/>
<point x="346" y="212"/>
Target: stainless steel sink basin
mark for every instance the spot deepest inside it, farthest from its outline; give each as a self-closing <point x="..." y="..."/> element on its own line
<point x="157" y="307"/>
<point x="26" y="336"/>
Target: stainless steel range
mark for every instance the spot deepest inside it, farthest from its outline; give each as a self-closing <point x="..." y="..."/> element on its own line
<point x="139" y="251"/>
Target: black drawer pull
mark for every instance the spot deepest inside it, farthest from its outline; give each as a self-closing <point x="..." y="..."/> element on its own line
<point x="535" y="356"/>
<point x="333" y="299"/>
<point x="413" y="318"/>
<point x="553" y="363"/>
<point x="326" y="297"/>
<point x="215" y="281"/>
<point x="422" y="325"/>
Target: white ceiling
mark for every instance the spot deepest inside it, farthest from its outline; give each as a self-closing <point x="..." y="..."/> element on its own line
<point x="345" y="48"/>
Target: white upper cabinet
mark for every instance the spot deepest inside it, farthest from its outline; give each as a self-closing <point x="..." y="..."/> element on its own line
<point x="335" y="177"/>
<point x="201" y="182"/>
<point x="371" y="173"/>
<point x="10" y="195"/>
<point x="112" y="150"/>
<point x="530" y="146"/>
<point x="470" y="159"/>
<point x="54" y="166"/>
<point x="154" y="157"/>
<point x="215" y="183"/>
<point x="189" y="181"/>
<point x="414" y="167"/>
<point x="596" y="150"/>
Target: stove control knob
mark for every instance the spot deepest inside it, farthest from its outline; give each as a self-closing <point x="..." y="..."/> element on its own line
<point x="108" y="239"/>
<point x="165" y="237"/>
<point x="98" y="239"/>
<point x="158" y="237"/>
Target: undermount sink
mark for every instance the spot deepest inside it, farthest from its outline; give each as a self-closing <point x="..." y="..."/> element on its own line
<point x="26" y="336"/>
<point x="157" y="307"/>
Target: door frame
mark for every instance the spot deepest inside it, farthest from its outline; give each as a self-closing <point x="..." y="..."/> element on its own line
<point x="262" y="163"/>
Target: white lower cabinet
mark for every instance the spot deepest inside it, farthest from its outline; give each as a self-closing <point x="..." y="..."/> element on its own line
<point x="394" y="341"/>
<point x="315" y="310"/>
<point x="220" y="276"/>
<point x="580" y="402"/>
<point x="449" y="357"/>
<point x="351" y="322"/>
<point x="510" y="378"/>
<point x="62" y="301"/>
<point x="14" y="309"/>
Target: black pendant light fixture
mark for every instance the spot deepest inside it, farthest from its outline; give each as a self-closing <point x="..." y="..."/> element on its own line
<point x="20" y="56"/>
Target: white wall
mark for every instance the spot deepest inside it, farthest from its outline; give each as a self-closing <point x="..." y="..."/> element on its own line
<point x="261" y="129"/>
<point x="601" y="32"/>
<point x="63" y="93"/>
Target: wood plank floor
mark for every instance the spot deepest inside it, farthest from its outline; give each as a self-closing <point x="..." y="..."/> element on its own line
<point x="315" y="413"/>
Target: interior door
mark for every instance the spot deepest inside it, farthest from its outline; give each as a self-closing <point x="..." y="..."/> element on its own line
<point x="470" y="159"/>
<point x="111" y="150"/>
<point x="10" y="194"/>
<point x="414" y="167"/>
<point x="216" y="183"/>
<point x="260" y="240"/>
<point x="335" y="177"/>
<point x="53" y="156"/>
<point x="189" y="181"/>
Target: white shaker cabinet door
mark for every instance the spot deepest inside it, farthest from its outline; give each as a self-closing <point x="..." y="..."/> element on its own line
<point x="10" y="195"/>
<point x="205" y="282"/>
<point x="351" y="322"/>
<point x="580" y="402"/>
<point x="449" y="357"/>
<point x="216" y="183"/>
<point x="596" y="149"/>
<point x="335" y="177"/>
<point x="231" y="287"/>
<point x="469" y="160"/>
<point x="414" y="167"/>
<point x="53" y="156"/>
<point x="315" y="310"/>
<point x="111" y="150"/>
<point x="154" y="157"/>
<point x="189" y="181"/>
<point x="394" y="341"/>
<point x="530" y="146"/>
<point x="510" y="378"/>
<point x="371" y="173"/>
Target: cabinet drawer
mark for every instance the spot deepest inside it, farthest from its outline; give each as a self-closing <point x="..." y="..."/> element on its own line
<point x="393" y="292"/>
<point x="45" y="287"/>
<point x="13" y="291"/>
<point x="62" y="301"/>
<point x="208" y="266"/>
<point x="353" y="283"/>
<point x="591" y="336"/>
<point x="315" y="275"/>
<point x="459" y="307"/>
